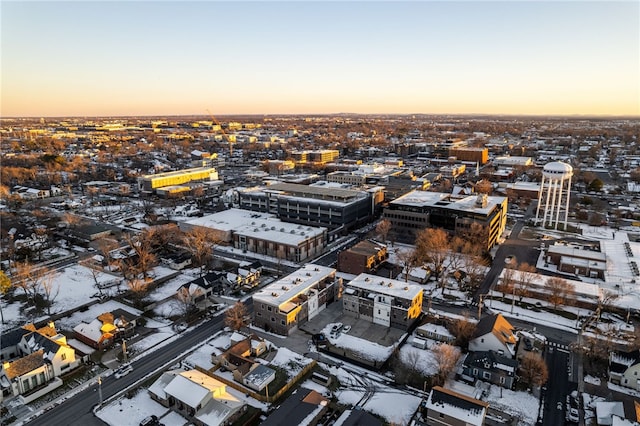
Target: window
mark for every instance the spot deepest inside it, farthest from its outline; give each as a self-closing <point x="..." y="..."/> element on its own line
<point x="282" y="322"/>
<point x="269" y="308"/>
<point x="441" y="415"/>
<point x="273" y="319"/>
<point x="486" y="375"/>
<point x="482" y="340"/>
<point x="475" y="371"/>
<point x="63" y="357"/>
<point x="502" y="380"/>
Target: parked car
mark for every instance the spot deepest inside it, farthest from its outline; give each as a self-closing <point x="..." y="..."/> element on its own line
<point x="152" y="420"/>
<point x="346" y="328"/>
<point x="123" y="370"/>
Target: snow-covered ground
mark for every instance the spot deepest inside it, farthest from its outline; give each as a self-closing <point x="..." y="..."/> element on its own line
<point x="364" y="348"/>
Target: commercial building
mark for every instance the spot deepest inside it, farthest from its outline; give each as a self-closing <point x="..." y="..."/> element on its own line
<point x="262" y="233"/>
<point x="149" y="183"/>
<point x="295" y="299"/>
<point x="322" y="156"/>
<point x="309" y="205"/>
<point x="420" y="209"/>
<point x="365" y="256"/>
<point x="476" y="155"/>
<point x="383" y="301"/>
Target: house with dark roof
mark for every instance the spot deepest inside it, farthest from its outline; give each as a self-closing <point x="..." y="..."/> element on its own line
<point x="494" y="333"/>
<point x="10" y="340"/>
<point x="201" y="288"/>
<point x="448" y="407"/>
<point x="624" y="369"/>
<point x="358" y="418"/>
<point x="54" y="345"/>
<point x="303" y="405"/>
<point x="490" y="367"/>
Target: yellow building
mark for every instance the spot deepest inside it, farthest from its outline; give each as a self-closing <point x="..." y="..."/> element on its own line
<point x="149" y="183"/>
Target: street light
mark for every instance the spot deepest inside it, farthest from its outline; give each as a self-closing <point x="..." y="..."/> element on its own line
<point x="100" y="388"/>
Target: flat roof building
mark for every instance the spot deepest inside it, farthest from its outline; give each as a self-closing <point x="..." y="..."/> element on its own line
<point x="295" y="299"/>
<point x="309" y="205"/>
<point x="388" y="302"/>
<point x="149" y="183"/>
<point x="421" y="209"/>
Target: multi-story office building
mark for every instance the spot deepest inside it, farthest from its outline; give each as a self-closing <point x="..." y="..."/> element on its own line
<point x="295" y="299"/>
<point x="420" y="209"/>
<point x="322" y="156"/>
<point x="470" y="154"/>
<point x="383" y="301"/>
<point x="309" y="205"/>
<point x="150" y="183"/>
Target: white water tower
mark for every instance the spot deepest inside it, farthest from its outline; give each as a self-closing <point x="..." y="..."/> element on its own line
<point x="553" y="198"/>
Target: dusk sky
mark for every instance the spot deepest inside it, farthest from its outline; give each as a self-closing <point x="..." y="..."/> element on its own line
<point x="161" y="58"/>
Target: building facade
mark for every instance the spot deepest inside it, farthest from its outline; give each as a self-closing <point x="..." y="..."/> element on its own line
<point x="391" y="303"/>
<point x="420" y="209"/>
<point x="150" y="183"/>
<point x="316" y="206"/>
<point x="365" y="256"/>
<point x="293" y="300"/>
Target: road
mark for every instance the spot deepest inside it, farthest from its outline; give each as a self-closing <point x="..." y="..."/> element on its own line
<point x="77" y="410"/>
<point x="557" y="389"/>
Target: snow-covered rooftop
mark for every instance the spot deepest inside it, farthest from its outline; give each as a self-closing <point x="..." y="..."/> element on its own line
<point x="390" y="287"/>
<point x="444" y="200"/>
<point x="293" y="284"/>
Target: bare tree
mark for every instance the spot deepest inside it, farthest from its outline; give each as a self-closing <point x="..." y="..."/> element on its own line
<point x="236" y="316"/>
<point x="144" y="258"/>
<point x="507" y="280"/>
<point x="27" y="279"/>
<point x="200" y="243"/>
<point x="5" y="286"/>
<point x="462" y="328"/>
<point x="533" y="369"/>
<point x="559" y="291"/>
<point x="483" y="186"/>
<point x="383" y="228"/>
<point x="50" y="290"/>
<point x="408" y="260"/>
<point x="446" y="357"/>
<point x="432" y="248"/>
<point x="526" y="276"/>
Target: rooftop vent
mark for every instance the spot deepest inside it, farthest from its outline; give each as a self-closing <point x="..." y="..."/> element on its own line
<point x="285" y="288"/>
<point x="274" y="294"/>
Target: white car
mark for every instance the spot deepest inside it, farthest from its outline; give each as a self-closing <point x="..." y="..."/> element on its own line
<point x="123" y="370"/>
<point x="346" y="328"/>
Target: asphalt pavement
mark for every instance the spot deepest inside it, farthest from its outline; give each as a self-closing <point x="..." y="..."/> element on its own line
<point x="78" y="409"/>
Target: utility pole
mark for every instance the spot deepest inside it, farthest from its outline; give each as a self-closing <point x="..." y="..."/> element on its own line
<point x="480" y="306"/>
<point x="100" y="388"/>
<point x="124" y="350"/>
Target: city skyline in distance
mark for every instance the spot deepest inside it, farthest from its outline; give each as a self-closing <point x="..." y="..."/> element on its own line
<point x="241" y="58"/>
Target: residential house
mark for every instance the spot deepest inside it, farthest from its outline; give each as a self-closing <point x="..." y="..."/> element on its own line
<point x="201" y="288"/>
<point x="54" y="345"/>
<point x="10" y="341"/>
<point x="200" y="398"/>
<point x="25" y="374"/>
<point x="435" y="332"/>
<point x="624" y="369"/>
<point x="304" y="406"/>
<point x="248" y="275"/>
<point x="607" y="411"/>
<point x="106" y="329"/>
<point x="490" y="367"/>
<point x="494" y="333"/>
<point x="238" y="358"/>
<point x="445" y="407"/>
